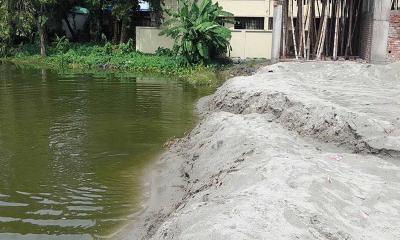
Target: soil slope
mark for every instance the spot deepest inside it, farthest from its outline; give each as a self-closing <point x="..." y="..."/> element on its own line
<point x="296" y="151"/>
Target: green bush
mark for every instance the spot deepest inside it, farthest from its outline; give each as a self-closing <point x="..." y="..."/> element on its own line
<point x="164" y="52"/>
<point x="127" y="47"/>
<point x="3" y="50"/>
<point x="63" y="54"/>
<point x="197" y="32"/>
<point x="62" y="45"/>
<point x="108" y="48"/>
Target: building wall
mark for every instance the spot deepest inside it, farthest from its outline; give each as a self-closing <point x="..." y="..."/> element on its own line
<point x="394" y="36"/>
<point x="239" y="8"/>
<point x="366" y="35"/>
<point x="245" y="44"/>
<point x="251" y="44"/>
<point x="249" y="8"/>
<point x="367" y="17"/>
<point x="380" y="31"/>
<point x="148" y="40"/>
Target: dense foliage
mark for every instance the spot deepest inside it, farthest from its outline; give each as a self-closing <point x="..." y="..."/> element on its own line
<point x="4" y="28"/>
<point x="197" y="31"/>
<point x="32" y="32"/>
<point x="22" y="18"/>
<point x="64" y="54"/>
<point x="30" y="21"/>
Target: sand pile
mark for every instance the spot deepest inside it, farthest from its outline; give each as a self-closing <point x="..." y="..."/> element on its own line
<point x="297" y="151"/>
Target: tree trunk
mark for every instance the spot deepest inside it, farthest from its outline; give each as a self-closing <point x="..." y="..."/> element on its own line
<point x="116" y="30"/>
<point x="124" y="27"/>
<point x="42" y="36"/>
<point x="95" y="26"/>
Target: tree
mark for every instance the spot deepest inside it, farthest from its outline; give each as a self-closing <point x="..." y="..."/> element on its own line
<point x="96" y="18"/>
<point x="5" y="26"/>
<point x="31" y="14"/>
<point x="121" y="12"/>
<point x="197" y="31"/>
<point x="20" y="20"/>
<point x="40" y="11"/>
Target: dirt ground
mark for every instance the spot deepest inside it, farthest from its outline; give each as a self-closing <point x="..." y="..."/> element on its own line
<point x="296" y="151"/>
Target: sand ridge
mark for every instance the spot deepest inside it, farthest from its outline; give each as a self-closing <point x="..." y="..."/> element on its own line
<point x="296" y="151"/>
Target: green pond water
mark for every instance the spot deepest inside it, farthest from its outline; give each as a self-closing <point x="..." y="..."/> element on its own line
<point x="73" y="147"/>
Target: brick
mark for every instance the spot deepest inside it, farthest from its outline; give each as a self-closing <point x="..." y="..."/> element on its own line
<point x="394" y="36"/>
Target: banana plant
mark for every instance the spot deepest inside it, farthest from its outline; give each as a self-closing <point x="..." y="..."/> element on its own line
<point x="197" y="32"/>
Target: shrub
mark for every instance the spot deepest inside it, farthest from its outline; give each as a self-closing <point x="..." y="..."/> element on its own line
<point x="3" y="50"/>
<point x="108" y="48"/>
<point x="164" y="52"/>
<point x="197" y="31"/>
<point x="62" y="45"/>
<point x="127" y="47"/>
<point x="108" y="56"/>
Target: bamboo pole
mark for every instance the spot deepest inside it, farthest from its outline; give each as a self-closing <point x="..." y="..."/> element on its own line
<point x="285" y="28"/>
<point x="293" y="33"/>
<point x="305" y="26"/>
<point x="336" y="38"/>
<point x="335" y="34"/>
<point x="322" y="16"/>
<point x="312" y="29"/>
<point x="355" y="24"/>
<point x="323" y="34"/>
<point x="276" y="32"/>
<point x="350" y="28"/>
<point x="300" y="28"/>
<point x="328" y="39"/>
<point x="343" y="27"/>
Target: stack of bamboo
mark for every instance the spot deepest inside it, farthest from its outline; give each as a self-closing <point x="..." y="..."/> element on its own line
<point x="395" y="4"/>
<point x="317" y="29"/>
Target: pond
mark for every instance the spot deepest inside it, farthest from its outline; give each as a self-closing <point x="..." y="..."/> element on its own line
<point x="73" y="147"/>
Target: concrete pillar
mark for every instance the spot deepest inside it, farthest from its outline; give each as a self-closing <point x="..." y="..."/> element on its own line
<point x="276" y="33"/>
<point x="380" y="31"/>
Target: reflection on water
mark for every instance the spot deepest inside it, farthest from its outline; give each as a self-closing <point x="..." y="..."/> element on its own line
<point x="73" y="147"/>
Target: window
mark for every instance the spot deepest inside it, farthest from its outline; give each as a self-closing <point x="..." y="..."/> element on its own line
<point x="256" y="23"/>
<point x="270" y="23"/>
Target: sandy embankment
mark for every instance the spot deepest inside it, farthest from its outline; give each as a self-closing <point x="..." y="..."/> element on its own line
<point x="297" y="151"/>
